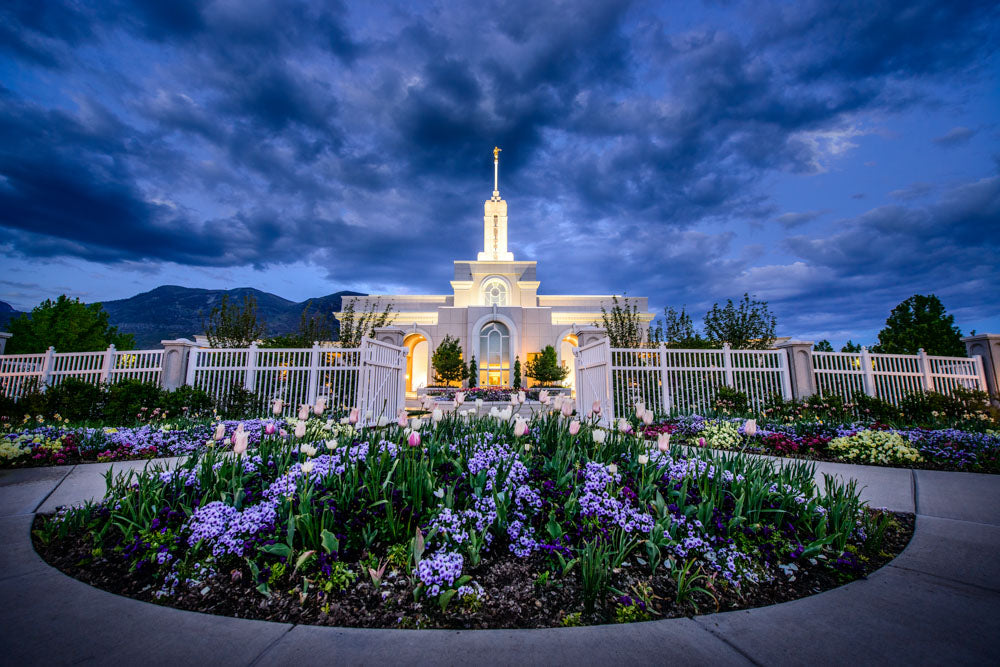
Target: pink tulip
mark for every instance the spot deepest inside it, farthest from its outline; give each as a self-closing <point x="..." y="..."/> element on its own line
<point x="300" y="430"/>
<point x="521" y="398"/>
<point x="220" y="432"/>
<point x="567" y="408"/>
<point x="413" y="440"/>
<point x="278" y="406"/>
<point x="242" y="440"/>
<point x="320" y="406"/>
<point x="701" y="442"/>
<point x="543" y="397"/>
<point x="663" y="442"/>
<point x="283" y="433"/>
<point x="402" y="419"/>
<point x="596" y="408"/>
<point x="574" y="427"/>
<point x="647" y="417"/>
<point x="520" y="428"/>
<point x="270" y="428"/>
<point x="459" y="398"/>
<point x="355" y="414"/>
<point x="303" y="412"/>
<point x="750" y="428"/>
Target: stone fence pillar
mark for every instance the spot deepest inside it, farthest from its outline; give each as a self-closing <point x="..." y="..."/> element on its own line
<point x="987" y="346"/>
<point x="175" y="359"/>
<point x="587" y="335"/>
<point x="3" y="340"/>
<point x="800" y="367"/>
<point x="392" y="335"/>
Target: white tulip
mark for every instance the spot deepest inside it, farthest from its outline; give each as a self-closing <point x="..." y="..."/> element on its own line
<point x="543" y="397"/>
<point x="640" y="408"/>
<point x="437" y="415"/>
<point x="220" y="432"/>
<point x="612" y="468"/>
<point x="416" y="423"/>
<point x="308" y="450"/>
<point x="643" y="459"/>
<point x="647" y="417"/>
<point x="300" y="429"/>
<point x="303" y="412"/>
<point x="331" y="444"/>
<point x="383" y="421"/>
<point x="278" y="406"/>
<point x="521" y="397"/>
<point x="600" y="435"/>
<point x="663" y="442"/>
<point x="750" y="428"/>
<point x="520" y="427"/>
<point x="459" y="398"/>
<point x="307" y="467"/>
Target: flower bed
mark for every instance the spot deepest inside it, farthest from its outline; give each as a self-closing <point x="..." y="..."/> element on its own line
<point x="469" y="522"/>
<point x="65" y="445"/>
<point x="869" y="443"/>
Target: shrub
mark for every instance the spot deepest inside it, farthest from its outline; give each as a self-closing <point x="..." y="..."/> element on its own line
<point x="545" y="368"/>
<point x="126" y="399"/>
<point x="731" y="401"/>
<point x="75" y="400"/>
<point x="875" y="447"/>
<point x="186" y="401"/>
<point x="238" y="403"/>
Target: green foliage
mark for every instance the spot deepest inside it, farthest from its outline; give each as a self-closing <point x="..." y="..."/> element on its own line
<point x="623" y="323"/>
<point x="731" y="401"/>
<point x="230" y="325"/>
<point x="823" y="346"/>
<point x="75" y="400"/>
<point x="851" y="346"/>
<point x="545" y="368"/>
<point x="127" y="398"/>
<point x="354" y="325"/>
<point x="238" y="403"/>
<point x="68" y="326"/>
<point x="678" y="331"/>
<point x="447" y="362"/>
<point x="920" y="322"/>
<point x="747" y="325"/>
<point x="516" y="379"/>
<point x="473" y="372"/>
<point x="313" y="327"/>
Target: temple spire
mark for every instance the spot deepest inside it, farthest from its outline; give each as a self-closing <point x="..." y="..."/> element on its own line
<point x="496" y="172"/>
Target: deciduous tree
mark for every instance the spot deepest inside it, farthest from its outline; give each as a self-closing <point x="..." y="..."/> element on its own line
<point x="920" y="322"/>
<point x="68" y="326"/>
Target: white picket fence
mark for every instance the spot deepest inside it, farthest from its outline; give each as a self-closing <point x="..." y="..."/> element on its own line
<point x="370" y="377"/>
<point x="893" y="376"/>
<point x="672" y="381"/>
<point x="22" y="372"/>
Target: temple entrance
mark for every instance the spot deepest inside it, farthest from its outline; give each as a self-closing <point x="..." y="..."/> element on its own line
<point x="566" y="347"/>
<point x="417" y="362"/>
<point x="494" y="355"/>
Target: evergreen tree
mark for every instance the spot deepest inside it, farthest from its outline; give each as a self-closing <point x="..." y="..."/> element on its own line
<point x="920" y="322"/>
<point x="545" y="368"/>
<point x="447" y="361"/>
<point x="68" y="326"/>
<point x="234" y="326"/>
<point x="748" y="325"/>
<point x="313" y="327"/>
<point x="516" y="381"/>
<point x="851" y="346"/>
<point x="473" y="372"/>
<point x="823" y="346"/>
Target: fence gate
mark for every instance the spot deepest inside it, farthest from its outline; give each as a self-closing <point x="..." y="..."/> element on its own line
<point x="381" y="387"/>
<point x="593" y="374"/>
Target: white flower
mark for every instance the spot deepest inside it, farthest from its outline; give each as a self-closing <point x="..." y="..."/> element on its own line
<point x="520" y="427"/>
<point x="459" y="398"/>
<point x="300" y="429"/>
<point x="643" y="459"/>
<point x="307" y="467"/>
<point x="303" y="412"/>
<point x="220" y="432"/>
<point x="479" y="403"/>
<point x="437" y="415"/>
<point x="439" y="493"/>
<point x="527" y="446"/>
<point x="278" y="406"/>
<point x="416" y="423"/>
<point x="308" y="450"/>
<point x="640" y="409"/>
<point x="750" y="428"/>
<point x="612" y="468"/>
<point x="331" y="444"/>
<point x="600" y="435"/>
<point x="521" y="397"/>
<point x="383" y="421"/>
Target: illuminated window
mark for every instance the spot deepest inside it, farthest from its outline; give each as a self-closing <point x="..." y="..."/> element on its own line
<point x="495" y="292"/>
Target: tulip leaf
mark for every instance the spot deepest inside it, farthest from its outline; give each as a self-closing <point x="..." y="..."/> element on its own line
<point x="279" y="549"/>
<point x="330" y="542"/>
<point x="446" y="597"/>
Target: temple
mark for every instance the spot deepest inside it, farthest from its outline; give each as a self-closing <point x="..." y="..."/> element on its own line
<point x="494" y="310"/>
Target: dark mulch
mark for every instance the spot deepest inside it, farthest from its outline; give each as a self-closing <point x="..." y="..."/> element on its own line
<point x="516" y="592"/>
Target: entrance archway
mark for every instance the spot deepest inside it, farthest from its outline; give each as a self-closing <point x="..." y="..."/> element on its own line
<point x="567" y="342"/>
<point x="417" y="362"/>
<point x="494" y="355"/>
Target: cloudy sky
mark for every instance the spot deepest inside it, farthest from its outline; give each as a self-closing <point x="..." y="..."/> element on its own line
<point x="831" y="158"/>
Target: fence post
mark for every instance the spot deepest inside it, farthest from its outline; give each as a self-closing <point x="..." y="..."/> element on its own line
<point x="663" y="378"/>
<point x="727" y="364"/>
<point x="47" y="363"/>
<point x="109" y="363"/>
<point x="797" y="369"/>
<point x="192" y="366"/>
<point x="250" y="381"/>
<point x="173" y="367"/>
<point x="313" y="388"/>
<point x="980" y="365"/>
<point x="925" y="369"/>
<point x="401" y="360"/>
<point x="3" y="340"/>
<point x="868" y="373"/>
<point x="987" y="348"/>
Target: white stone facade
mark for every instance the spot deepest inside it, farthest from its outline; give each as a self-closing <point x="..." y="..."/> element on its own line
<point x="494" y="302"/>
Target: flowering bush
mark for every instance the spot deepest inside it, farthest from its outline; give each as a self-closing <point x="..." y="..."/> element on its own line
<point x="875" y="447"/>
<point x="722" y="434"/>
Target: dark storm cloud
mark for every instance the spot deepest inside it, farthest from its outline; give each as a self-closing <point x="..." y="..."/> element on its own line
<point x="262" y="133"/>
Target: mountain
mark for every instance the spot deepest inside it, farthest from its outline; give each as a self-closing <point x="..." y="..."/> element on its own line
<point x="170" y="311"/>
<point x="7" y="313"/>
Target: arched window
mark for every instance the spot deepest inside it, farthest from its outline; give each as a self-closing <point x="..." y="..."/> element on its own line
<point x="494" y="355"/>
<point x="494" y="292"/>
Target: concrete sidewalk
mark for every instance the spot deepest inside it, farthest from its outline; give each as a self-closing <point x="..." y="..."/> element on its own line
<point x="938" y="603"/>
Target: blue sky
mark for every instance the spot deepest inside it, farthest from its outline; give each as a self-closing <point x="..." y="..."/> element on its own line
<point x="831" y="158"/>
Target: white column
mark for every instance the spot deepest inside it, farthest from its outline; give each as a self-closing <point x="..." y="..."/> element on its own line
<point x="192" y="366"/>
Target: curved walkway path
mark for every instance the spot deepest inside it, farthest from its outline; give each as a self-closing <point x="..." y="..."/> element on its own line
<point x="937" y="603"/>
